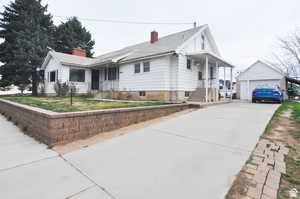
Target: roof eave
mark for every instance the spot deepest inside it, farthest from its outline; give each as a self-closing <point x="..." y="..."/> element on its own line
<point x="213" y="55"/>
<point x="74" y="65"/>
<point x="148" y="57"/>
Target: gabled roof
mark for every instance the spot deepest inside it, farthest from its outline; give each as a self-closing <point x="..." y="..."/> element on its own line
<point x="164" y="45"/>
<point x="265" y="64"/>
<point x="67" y="59"/>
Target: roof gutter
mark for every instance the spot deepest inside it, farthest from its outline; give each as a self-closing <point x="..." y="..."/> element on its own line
<point x="75" y="65"/>
<point x="212" y="55"/>
<point x="148" y="57"/>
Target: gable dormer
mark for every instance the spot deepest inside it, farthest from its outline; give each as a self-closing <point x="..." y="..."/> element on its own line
<point x="201" y="41"/>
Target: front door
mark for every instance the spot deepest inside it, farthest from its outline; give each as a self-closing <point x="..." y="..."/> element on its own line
<point x="95" y="79"/>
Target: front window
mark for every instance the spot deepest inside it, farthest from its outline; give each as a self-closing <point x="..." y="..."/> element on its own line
<point x="77" y="75"/>
<point x="112" y="73"/>
<point x="188" y="63"/>
<point x="187" y="93"/>
<point x="137" y="68"/>
<point x="211" y="72"/>
<point x="146" y="66"/>
<point x="200" y="75"/>
<point x="203" y="42"/>
<point x="52" y="77"/>
<point x="142" y="93"/>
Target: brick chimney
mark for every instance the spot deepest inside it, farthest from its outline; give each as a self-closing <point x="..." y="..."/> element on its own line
<point x="79" y="52"/>
<point x="154" y="36"/>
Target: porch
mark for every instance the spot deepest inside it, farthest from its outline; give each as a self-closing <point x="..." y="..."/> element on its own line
<point x="105" y="78"/>
<point x="210" y="68"/>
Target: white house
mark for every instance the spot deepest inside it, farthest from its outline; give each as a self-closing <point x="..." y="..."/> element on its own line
<point x="177" y="67"/>
<point x="259" y="75"/>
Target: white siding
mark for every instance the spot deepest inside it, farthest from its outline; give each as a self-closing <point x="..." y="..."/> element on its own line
<point x="260" y="71"/>
<point x="63" y="76"/>
<point x="188" y="78"/>
<point x="258" y="75"/>
<point x="53" y="65"/>
<point x="195" y="45"/>
<point x="173" y="72"/>
<point x="155" y="80"/>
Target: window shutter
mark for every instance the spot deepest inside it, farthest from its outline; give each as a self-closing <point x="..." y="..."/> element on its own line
<point x="48" y="76"/>
<point x="56" y="75"/>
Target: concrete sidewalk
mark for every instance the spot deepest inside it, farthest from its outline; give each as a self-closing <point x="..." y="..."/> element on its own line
<point x="191" y="156"/>
<point x="195" y="155"/>
<point x="29" y="169"/>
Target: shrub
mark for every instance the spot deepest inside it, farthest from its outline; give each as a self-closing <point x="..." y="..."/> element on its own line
<point x="42" y="90"/>
<point x="90" y="94"/>
<point x="61" y="89"/>
<point x="128" y="95"/>
<point x="117" y="95"/>
<point x="23" y="87"/>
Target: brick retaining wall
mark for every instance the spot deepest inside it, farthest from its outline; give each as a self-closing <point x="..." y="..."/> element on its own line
<point x="59" y="128"/>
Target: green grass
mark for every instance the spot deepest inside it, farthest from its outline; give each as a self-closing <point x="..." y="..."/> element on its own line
<point x="296" y="111"/>
<point x="62" y="104"/>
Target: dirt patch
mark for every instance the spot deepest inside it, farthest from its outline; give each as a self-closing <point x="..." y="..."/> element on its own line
<point x="279" y="126"/>
<point x="239" y="187"/>
<point x="285" y="129"/>
<point x="282" y="126"/>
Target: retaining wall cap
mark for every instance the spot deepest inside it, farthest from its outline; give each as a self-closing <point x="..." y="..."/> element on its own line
<point x="52" y="114"/>
<point x="33" y="109"/>
<point x="118" y="110"/>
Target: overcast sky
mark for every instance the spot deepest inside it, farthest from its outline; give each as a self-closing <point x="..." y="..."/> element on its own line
<point x="245" y="30"/>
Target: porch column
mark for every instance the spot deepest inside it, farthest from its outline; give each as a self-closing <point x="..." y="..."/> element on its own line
<point x="217" y="81"/>
<point x="224" y="86"/>
<point x="206" y="78"/>
<point x="230" y="83"/>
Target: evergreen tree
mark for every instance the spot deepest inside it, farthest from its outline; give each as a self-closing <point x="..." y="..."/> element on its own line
<point x="72" y="34"/>
<point x="27" y="31"/>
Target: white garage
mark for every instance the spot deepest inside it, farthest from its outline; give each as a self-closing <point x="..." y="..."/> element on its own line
<point x="259" y="75"/>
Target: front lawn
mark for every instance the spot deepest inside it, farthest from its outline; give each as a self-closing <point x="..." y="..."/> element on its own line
<point x="62" y="104"/>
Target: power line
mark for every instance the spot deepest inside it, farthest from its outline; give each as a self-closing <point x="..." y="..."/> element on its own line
<point x="127" y="22"/>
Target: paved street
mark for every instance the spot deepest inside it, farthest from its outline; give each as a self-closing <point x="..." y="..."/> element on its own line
<point x="195" y="155"/>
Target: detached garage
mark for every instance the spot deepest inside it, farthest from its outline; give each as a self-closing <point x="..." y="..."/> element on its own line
<point x="259" y="75"/>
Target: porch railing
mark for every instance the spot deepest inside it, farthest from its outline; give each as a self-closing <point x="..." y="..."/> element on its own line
<point x="109" y="85"/>
<point x="211" y="83"/>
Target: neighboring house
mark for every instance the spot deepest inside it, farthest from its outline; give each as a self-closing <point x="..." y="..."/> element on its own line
<point x="176" y="67"/>
<point x="259" y="75"/>
<point x="226" y="92"/>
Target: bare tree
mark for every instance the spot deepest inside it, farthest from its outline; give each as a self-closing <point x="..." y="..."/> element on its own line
<point x="288" y="57"/>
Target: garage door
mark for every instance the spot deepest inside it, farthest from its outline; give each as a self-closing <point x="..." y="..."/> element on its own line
<point x="246" y="90"/>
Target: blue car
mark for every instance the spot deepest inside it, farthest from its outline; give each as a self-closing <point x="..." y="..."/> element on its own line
<point x="267" y="95"/>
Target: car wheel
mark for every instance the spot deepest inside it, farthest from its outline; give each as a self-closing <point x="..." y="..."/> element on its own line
<point x="253" y="101"/>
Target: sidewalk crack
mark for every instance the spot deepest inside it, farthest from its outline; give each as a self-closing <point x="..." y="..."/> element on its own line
<point x="28" y="163"/>
<point x="75" y="194"/>
<point x="90" y="179"/>
<point x="242" y="150"/>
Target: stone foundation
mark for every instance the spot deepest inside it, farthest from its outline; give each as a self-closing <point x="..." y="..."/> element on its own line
<point x="134" y="95"/>
<point x="60" y="128"/>
<point x="199" y="95"/>
<point x="174" y="96"/>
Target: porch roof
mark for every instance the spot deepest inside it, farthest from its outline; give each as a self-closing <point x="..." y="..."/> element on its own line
<point x="202" y="54"/>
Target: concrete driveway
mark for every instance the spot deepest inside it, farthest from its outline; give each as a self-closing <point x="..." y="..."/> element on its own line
<point x="195" y="155"/>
